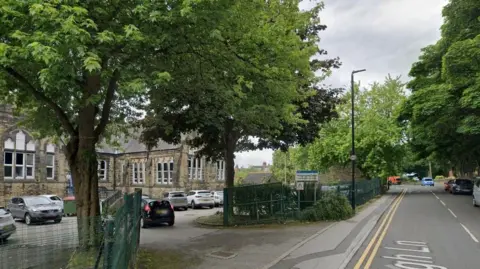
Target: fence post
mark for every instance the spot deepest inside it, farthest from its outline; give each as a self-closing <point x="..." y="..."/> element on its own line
<point x="108" y="244"/>
<point x="225" y="207"/>
<point x="136" y="214"/>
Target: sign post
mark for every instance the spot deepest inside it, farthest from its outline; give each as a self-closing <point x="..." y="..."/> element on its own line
<point x="303" y="176"/>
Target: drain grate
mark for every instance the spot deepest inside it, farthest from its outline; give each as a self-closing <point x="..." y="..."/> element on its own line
<point x="224" y="255"/>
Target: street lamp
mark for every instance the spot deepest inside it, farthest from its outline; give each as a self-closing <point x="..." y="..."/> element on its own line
<point x="353" y="157"/>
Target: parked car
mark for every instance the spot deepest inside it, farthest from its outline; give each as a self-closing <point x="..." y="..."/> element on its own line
<point x="55" y="199"/>
<point x="476" y="193"/>
<point x="34" y="209"/>
<point x="217" y="197"/>
<point x="177" y="198"/>
<point x="448" y="184"/>
<point x="462" y="186"/>
<point x="200" y="198"/>
<point x="7" y="224"/>
<point x="155" y="212"/>
<point x="428" y="181"/>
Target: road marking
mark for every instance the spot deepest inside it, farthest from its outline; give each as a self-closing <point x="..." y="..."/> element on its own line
<point x="443" y="203"/>
<point x="435" y="195"/>
<point x="451" y="212"/>
<point x="406" y="257"/>
<point x="407" y="261"/>
<point x="372" y="241"/>
<point x="469" y="233"/>
<point x="384" y="232"/>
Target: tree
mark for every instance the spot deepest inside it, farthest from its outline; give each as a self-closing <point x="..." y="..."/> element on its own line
<point x="380" y="141"/>
<point x="442" y="110"/>
<point x="73" y="67"/>
<point x="285" y="164"/>
<point x="254" y="78"/>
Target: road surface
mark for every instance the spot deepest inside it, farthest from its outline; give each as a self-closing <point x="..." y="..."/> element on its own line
<point x="49" y="245"/>
<point x="425" y="227"/>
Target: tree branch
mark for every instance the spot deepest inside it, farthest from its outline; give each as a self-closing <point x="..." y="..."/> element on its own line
<point x="40" y="96"/>
<point x="107" y="105"/>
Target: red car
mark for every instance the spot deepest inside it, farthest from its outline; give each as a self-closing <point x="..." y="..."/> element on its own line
<point x="448" y="184"/>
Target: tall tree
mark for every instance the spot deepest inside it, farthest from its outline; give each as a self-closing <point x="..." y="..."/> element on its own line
<point x="380" y="141"/>
<point x="73" y="67"/>
<point x="253" y="78"/>
<point x="444" y="104"/>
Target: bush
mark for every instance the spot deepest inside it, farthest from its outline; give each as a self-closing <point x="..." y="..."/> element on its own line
<point x="439" y="177"/>
<point x="331" y="206"/>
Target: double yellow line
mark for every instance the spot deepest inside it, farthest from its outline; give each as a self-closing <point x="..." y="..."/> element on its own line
<point x="381" y="231"/>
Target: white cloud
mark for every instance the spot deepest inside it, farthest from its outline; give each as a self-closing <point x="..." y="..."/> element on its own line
<point x="382" y="36"/>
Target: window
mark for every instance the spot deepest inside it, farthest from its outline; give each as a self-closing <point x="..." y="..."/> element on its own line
<point x="138" y="173"/>
<point x="195" y="168"/>
<point x="164" y="172"/>
<point x="220" y="170"/>
<point x="50" y="166"/>
<point x="19" y="158"/>
<point x="102" y="170"/>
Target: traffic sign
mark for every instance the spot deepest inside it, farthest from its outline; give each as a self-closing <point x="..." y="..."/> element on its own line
<point x="353" y="157"/>
<point x="300" y="186"/>
<point x="306" y="175"/>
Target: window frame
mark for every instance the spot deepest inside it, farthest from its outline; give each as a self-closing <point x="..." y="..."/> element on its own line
<point x="105" y="170"/>
<point x="136" y="179"/>
<point x="47" y="166"/>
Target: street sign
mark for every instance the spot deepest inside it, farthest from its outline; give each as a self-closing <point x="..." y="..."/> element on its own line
<point x="306" y="176"/>
<point x="300" y="186"/>
<point x="353" y="157"/>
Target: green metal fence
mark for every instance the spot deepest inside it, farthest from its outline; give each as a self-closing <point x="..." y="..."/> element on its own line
<point x="275" y="202"/>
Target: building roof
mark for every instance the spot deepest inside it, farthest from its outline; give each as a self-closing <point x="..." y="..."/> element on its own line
<point x="257" y="178"/>
<point x="132" y="144"/>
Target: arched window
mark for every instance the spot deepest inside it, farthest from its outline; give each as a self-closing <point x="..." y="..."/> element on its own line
<point x="19" y="158"/>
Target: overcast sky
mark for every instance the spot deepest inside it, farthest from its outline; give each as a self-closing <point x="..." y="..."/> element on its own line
<point x="382" y="36"/>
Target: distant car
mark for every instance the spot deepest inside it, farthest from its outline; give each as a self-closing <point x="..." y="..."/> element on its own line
<point x="34" y="209"/>
<point x="448" y="184"/>
<point x="177" y="198"/>
<point x="55" y="199"/>
<point x="217" y="197"/>
<point x="155" y="212"/>
<point x="7" y="224"/>
<point x="200" y="198"/>
<point x="462" y="186"/>
<point x="427" y="181"/>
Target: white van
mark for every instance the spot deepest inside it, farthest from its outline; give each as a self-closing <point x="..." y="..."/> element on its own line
<point x="476" y="192"/>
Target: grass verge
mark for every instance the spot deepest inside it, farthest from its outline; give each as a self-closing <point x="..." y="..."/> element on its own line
<point x="165" y="259"/>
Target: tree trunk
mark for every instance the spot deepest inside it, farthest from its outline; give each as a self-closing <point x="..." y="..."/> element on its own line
<point x="230" y="140"/>
<point x="82" y="160"/>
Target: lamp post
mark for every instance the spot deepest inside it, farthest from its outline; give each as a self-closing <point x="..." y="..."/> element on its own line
<point x="353" y="157"/>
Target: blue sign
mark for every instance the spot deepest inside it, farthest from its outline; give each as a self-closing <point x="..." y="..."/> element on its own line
<point x="306" y="175"/>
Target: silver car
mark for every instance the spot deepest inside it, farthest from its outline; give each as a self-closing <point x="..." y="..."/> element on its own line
<point x="177" y="198"/>
<point x="7" y="224"/>
<point x="34" y="209"/>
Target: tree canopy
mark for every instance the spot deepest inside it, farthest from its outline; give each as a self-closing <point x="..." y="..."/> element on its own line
<point x="253" y="77"/>
<point x="444" y="106"/>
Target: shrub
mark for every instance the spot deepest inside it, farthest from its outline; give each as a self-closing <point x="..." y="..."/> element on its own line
<point x="331" y="206"/>
<point x="439" y="177"/>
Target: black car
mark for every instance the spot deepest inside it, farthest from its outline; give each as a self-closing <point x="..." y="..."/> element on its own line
<point x="462" y="186"/>
<point x="155" y="212"/>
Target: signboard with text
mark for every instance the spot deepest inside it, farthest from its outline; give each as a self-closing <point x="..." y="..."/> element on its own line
<point x="306" y="176"/>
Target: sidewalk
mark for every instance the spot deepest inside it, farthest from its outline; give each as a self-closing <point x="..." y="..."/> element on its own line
<point x="334" y="246"/>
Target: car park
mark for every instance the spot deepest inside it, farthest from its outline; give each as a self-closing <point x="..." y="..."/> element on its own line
<point x="462" y="186"/>
<point x="177" y="198"/>
<point x="200" y="198"/>
<point x="33" y="209"/>
<point x="7" y="224"/>
<point x="428" y="181"/>
<point x="156" y="212"/>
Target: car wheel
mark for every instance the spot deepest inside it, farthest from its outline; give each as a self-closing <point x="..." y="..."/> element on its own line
<point x="142" y="223"/>
<point x="211" y="206"/>
<point x="58" y="220"/>
<point x="28" y="219"/>
<point x="170" y="223"/>
<point x="185" y="208"/>
<point x="475" y="203"/>
<point x="193" y="205"/>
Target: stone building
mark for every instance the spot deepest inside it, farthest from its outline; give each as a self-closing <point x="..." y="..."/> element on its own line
<point x="29" y="166"/>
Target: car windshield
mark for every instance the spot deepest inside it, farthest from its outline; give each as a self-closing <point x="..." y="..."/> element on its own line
<point x="463" y="182"/>
<point x="37" y="201"/>
<point x="177" y="194"/>
<point x="203" y="193"/>
<point x="427" y="179"/>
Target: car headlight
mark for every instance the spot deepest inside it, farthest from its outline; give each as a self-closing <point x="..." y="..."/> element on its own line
<point x="34" y="209"/>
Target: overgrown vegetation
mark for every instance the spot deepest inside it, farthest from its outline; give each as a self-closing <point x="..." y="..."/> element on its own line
<point x="332" y="206"/>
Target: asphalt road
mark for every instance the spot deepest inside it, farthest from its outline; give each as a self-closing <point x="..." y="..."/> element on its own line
<point x="48" y="245"/>
<point x="428" y="228"/>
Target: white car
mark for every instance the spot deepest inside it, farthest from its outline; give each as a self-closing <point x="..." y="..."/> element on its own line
<point x="7" y="224"/>
<point x="476" y="193"/>
<point x="55" y="199"/>
<point x="200" y="198"/>
<point x="217" y="197"/>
